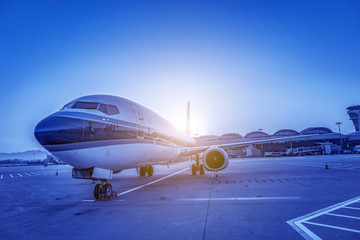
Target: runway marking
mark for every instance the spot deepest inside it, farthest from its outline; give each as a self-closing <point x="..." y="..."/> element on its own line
<point x="19" y="174"/>
<point x="335" y="227"/>
<point x="11" y="176"/>
<point x="340" y="215"/>
<point x="2" y="176"/>
<point x="27" y="174"/>
<point x="147" y="184"/>
<point x="133" y="189"/>
<point x="35" y="173"/>
<point x="239" y="198"/>
<point x="352" y="208"/>
<point x="298" y="223"/>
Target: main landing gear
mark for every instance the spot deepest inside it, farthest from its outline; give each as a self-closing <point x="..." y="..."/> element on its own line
<point x="197" y="166"/>
<point x="149" y="170"/>
<point x="104" y="191"/>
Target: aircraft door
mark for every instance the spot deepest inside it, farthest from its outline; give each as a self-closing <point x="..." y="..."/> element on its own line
<point x="140" y="121"/>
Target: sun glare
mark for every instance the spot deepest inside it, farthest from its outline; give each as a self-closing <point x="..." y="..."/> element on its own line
<point x="197" y="126"/>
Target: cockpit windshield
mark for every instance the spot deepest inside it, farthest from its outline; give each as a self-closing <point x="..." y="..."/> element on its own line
<point x="86" y="105"/>
<point x="105" y="108"/>
<point x="68" y="105"/>
<point x="113" y="110"/>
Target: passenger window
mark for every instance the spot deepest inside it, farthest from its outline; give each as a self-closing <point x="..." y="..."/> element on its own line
<point x="86" y="105"/>
<point x="113" y="110"/>
<point x="103" y="108"/>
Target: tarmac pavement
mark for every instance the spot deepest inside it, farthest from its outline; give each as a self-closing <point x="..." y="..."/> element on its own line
<point x="257" y="198"/>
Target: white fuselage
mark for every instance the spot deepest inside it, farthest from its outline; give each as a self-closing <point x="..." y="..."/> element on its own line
<point x="111" y="133"/>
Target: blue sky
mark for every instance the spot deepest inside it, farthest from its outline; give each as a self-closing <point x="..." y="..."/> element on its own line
<point x="243" y="65"/>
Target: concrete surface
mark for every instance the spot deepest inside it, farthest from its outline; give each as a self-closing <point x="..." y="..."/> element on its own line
<point x="252" y="199"/>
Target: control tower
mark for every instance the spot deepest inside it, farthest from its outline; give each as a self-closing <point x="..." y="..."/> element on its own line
<point x="354" y="114"/>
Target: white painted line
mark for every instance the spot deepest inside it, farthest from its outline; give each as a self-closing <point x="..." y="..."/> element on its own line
<point x="297" y="223"/>
<point x="27" y="174"/>
<point x="336" y="227"/>
<point x="2" y="176"/>
<point x="328" y="209"/>
<point x="11" y="176"/>
<point x="89" y="200"/>
<point x="35" y="173"/>
<point x="19" y="174"/>
<point x="340" y="215"/>
<point x="239" y="198"/>
<point x="147" y="184"/>
<point x="352" y="208"/>
<point x="305" y="232"/>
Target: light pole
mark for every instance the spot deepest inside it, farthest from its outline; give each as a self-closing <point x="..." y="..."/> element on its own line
<point x="339" y="123"/>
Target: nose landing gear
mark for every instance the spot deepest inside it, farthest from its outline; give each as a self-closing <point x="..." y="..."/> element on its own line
<point x="103" y="191"/>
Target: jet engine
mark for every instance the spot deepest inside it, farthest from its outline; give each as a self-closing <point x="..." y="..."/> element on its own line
<point x="215" y="159"/>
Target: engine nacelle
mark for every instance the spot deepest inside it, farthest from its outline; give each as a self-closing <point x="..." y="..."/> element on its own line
<point x="215" y="159"/>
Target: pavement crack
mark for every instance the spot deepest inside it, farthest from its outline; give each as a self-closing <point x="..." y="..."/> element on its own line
<point x="208" y="206"/>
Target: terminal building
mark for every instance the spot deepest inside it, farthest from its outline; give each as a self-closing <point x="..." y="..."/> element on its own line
<point x="314" y="140"/>
<point x="354" y="114"/>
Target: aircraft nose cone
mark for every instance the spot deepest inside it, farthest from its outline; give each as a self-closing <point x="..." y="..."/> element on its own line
<point x="58" y="130"/>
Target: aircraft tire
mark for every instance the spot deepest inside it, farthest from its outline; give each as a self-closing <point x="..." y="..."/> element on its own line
<point x="114" y="194"/>
<point x="97" y="191"/>
<point x="193" y="169"/>
<point x="202" y="171"/>
<point x="107" y="190"/>
<point x="142" y="171"/>
<point x="150" y="171"/>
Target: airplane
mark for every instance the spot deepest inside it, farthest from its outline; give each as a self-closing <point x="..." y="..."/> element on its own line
<point x="101" y="135"/>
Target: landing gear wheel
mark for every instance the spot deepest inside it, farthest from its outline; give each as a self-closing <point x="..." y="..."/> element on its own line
<point x="107" y="190"/>
<point x="142" y="171"/>
<point x="150" y="171"/>
<point x="202" y="171"/>
<point x="97" y="191"/>
<point x="114" y="194"/>
<point x="193" y="169"/>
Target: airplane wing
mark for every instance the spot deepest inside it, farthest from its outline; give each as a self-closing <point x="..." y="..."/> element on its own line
<point x="188" y="151"/>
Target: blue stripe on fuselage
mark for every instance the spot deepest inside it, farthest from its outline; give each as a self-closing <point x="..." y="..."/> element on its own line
<point x="63" y="131"/>
<point x="95" y="144"/>
<point x="94" y="117"/>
